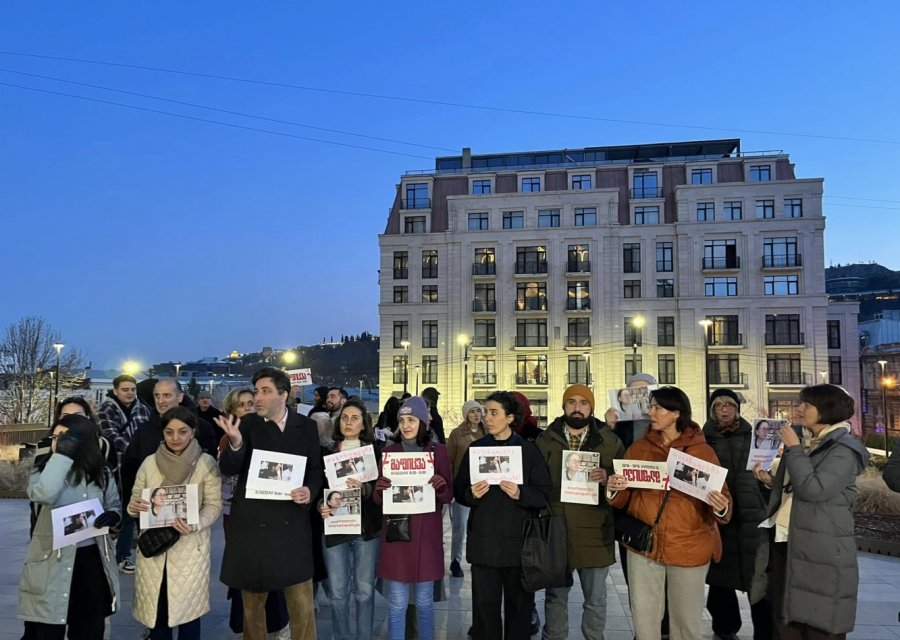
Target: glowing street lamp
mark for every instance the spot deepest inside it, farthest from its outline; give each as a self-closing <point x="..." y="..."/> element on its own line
<point x="465" y="342"/>
<point x="131" y="367"/>
<point x="289" y="357"/>
<point x="405" y="345"/>
<point x="637" y="323"/>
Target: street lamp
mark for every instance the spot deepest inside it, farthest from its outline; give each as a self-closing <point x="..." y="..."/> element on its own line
<point x="706" y="324"/>
<point x="131" y="367"/>
<point x="417" y="379"/>
<point x="465" y="343"/>
<point x="637" y="323"/>
<point x="405" y="345"/>
<point x="177" y="370"/>
<point x="55" y="397"/>
<point x="884" y="405"/>
<point x="587" y="367"/>
<point x="360" y="389"/>
<point x="289" y="357"/>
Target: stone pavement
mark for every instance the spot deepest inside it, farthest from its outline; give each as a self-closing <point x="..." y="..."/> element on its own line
<point x="879" y="596"/>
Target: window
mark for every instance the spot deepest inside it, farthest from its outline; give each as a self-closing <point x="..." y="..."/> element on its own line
<point x="417" y="195"/>
<point x="484" y="264"/>
<point x="835" y="375"/>
<point x="631" y="257"/>
<point x="586" y="217"/>
<point x="706" y="211"/>
<point x="578" y="373"/>
<point x="531" y="369"/>
<point x="478" y="222"/>
<point x="531" y="185"/>
<point x="481" y="187"/>
<point x="401" y="333"/>
<point x="701" y="176"/>
<point x="485" y="370"/>
<point x="719" y="287"/>
<point x="429" y="293"/>
<point x="531" y="260"/>
<point x="665" y="372"/>
<point x="548" y="217"/>
<point x="579" y="332"/>
<point x="632" y="289"/>
<point x="429" y="370"/>
<point x="539" y="411"/>
<point x="665" y="331"/>
<point x="765" y="208"/>
<point x="646" y="215"/>
<point x="733" y="209"/>
<point x="760" y="173"/>
<point x="531" y="296"/>
<point x="531" y="333"/>
<point x="485" y="334"/>
<point x="781" y="285"/>
<point x="401" y="294"/>
<point x="783" y="329"/>
<point x="780" y="252"/>
<point x="401" y="265"/>
<point x="665" y="288"/>
<point x="634" y="335"/>
<point x="724" y="330"/>
<point x="793" y="207"/>
<point x="430" y="263"/>
<point x="429" y="334"/>
<point x="783" y="368"/>
<point x="414" y="224"/>
<point x="398" y="368"/>
<point x="579" y="259"/>
<point x="581" y="182"/>
<point x="834" y="334"/>
<point x="578" y="295"/>
<point x="484" y="298"/>
<point x="664" y="260"/>
<point x="645" y="184"/>
<point x="633" y="365"/>
<point x="781" y="409"/>
<point x="513" y="219"/>
<point x="720" y="254"/>
<point x="724" y="368"/>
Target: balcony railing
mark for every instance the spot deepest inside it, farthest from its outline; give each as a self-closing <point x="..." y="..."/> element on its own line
<point x="531" y="267"/>
<point x="784" y="339"/>
<point x="782" y="262"/>
<point x="531" y="304"/>
<point x="417" y="203"/>
<point x="531" y="341"/>
<point x="484" y="379"/>
<point x="732" y="378"/>
<point x="578" y="266"/>
<point x="642" y="193"/>
<point x="484" y="341"/>
<point x="578" y="341"/>
<point x="786" y="377"/>
<point x="578" y="304"/>
<point x="484" y="305"/>
<point x="722" y="263"/>
<point x="727" y="340"/>
<point x="526" y="379"/>
<point x="484" y="269"/>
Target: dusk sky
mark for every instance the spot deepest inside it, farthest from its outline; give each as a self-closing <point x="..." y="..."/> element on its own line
<point x="141" y="235"/>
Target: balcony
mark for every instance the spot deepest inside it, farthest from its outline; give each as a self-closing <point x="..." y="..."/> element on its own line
<point x="531" y="341"/>
<point x="642" y="193"/>
<point x="578" y="340"/>
<point x="416" y="203"/>
<point x="531" y="267"/>
<point x="712" y="264"/>
<point x="782" y="262"/>
<point x="484" y="379"/>
<point x="578" y="266"/>
<point x="531" y="304"/>
<point x="578" y="304"/>
<point x="727" y="378"/>
<point x="727" y="340"/>
<point x="786" y="377"/>
<point x="785" y="339"/>
<point x="488" y="306"/>
<point x="528" y="380"/>
<point x="484" y="269"/>
<point x="485" y="342"/>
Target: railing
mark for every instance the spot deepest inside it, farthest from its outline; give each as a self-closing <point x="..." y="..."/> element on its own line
<point x="578" y="304"/>
<point x="480" y="379"/>
<point x="401" y="274"/>
<point x="642" y="193"/>
<point x="484" y="269"/>
<point x="722" y="263"/>
<point x="784" y="340"/>
<point x="484" y="305"/>
<point x="524" y="379"/>
<point x="782" y="262"/>
<point x="531" y="267"/>
<point x="733" y="378"/>
<point x="785" y="377"/>
<point x="484" y="341"/>
<point x="531" y="341"/>
<point x="578" y="266"/>
<point x="727" y="340"/>
<point x="531" y="304"/>
<point x="578" y="341"/>
<point x="416" y="203"/>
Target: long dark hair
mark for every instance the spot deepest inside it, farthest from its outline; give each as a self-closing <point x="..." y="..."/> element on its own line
<point x="366" y="436"/>
<point x="89" y="463"/>
<point x="388" y="417"/>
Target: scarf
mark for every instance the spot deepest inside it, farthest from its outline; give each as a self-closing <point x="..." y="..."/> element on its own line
<point x="176" y="469"/>
<point x="410" y="446"/>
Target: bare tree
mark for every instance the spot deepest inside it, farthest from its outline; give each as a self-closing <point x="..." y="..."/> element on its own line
<point x="27" y="370"/>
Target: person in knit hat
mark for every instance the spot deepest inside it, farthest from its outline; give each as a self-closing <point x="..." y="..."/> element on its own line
<point x="471" y="429"/>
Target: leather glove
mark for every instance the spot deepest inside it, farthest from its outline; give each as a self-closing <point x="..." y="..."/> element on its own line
<point x="383" y="484"/>
<point x="107" y="519"/>
<point x="438" y="482"/>
<point x="69" y="444"/>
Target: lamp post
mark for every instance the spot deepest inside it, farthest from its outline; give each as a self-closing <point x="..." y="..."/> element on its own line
<point x="54" y="386"/>
<point x="360" y="389"/>
<point x="50" y="401"/>
<point x="637" y="323"/>
<point x="587" y="367"/>
<point x="706" y="324"/>
<point x="177" y="370"/>
<point x="465" y="342"/>
<point x="417" y="379"/>
<point x="59" y="347"/>
<point x="884" y="419"/>
<point x="405" y="345"/>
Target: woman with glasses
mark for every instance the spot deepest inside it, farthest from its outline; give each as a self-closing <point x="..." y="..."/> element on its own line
<point x="686" y="539"/>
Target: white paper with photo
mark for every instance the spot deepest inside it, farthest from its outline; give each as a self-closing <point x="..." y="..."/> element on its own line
<point x="168" y="503"/>
<point x="575" y="485"/>
<point x="643" y="474"/>
<point x="632" y="403"/>
<point x="694" y="476"/>
<point x="346" y="511"/>
<point x="354" y="463"/>
<point x="409" y="474"/>
<point x="273" y="475"/>
<point x="75" y="522"/>
<point x="765" y="443"/>
<point x="495" y="464"/>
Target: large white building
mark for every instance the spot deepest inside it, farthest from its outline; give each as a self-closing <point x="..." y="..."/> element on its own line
<point x="531" y="271"/>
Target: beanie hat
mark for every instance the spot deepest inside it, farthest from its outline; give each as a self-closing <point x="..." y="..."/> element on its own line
<point x="640" y="377"/>
<point x="724" y="395"/>
<point x="417" y="407"/>
<point x="468" y="406"/>
<point x="579" y="390"/>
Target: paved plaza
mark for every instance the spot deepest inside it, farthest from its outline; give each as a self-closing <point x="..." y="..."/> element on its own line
<point x="879" y="596"/>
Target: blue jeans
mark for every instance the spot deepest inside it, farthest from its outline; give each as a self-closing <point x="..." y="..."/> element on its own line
<point x="126" y="536"/>
<point x="593" y="619"/>
<point x="398" y="598"/>
<point x="459" y="516"/>
<point x="351" y="572"/>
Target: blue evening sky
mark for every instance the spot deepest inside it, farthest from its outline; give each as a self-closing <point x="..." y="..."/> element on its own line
<point x="142" y="235"/>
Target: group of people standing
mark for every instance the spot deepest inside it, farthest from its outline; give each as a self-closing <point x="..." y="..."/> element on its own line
<point x="785" y="537"/>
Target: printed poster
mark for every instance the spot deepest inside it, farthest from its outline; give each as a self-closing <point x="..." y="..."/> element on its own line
<point x="354" y="463"/>
<point x="576" y="486"/>
<point x="409" y="474"/>
<point x="168" y="503"/>
<point x="345" y="506"/>
<point x="632" y="403"/>
<point x="495" y="464"/>
<point x="694" y="476"/>
<point x="75" y="522"/>
<point x="273" y="475"/>
<point x="765" y="443"/>
<point x="642" y="474"/>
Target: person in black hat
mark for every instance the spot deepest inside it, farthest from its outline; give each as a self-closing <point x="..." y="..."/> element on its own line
<point x="437" y="422"/>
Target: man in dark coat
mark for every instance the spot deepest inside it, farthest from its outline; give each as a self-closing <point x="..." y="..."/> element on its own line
<point x="437" y="422"/>
<point x="268" y="546"/>
<point x="731" y="436"/>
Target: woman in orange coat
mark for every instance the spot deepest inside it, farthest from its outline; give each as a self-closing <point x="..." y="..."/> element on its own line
<point x="686" y="538"/>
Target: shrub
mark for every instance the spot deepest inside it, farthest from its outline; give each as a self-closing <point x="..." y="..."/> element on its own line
<point x="874" y="495"/>
<point x="14" y="475"/>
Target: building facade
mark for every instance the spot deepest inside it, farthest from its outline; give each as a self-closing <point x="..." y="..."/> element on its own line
<point x="532" y="271"/>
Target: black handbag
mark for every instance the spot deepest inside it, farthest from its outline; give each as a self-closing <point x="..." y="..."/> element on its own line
<point x="635" y="533"/>
<point x="154" y="542"/>
<point x="399" y="528"/>
<point x="544" y="552"/>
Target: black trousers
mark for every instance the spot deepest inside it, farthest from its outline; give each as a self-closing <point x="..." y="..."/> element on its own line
<point x="89" y="602"/>
<point x="489" y="586"/>
<point x="722" y="604"/>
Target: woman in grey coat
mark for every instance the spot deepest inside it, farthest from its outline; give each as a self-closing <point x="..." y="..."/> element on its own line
<point x="812" y="569"/>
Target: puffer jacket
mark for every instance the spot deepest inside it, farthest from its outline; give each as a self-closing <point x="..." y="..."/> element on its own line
<point x="688" y="533"/>
<point x="186" y="563"/>
<point x="47" y="574"/>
